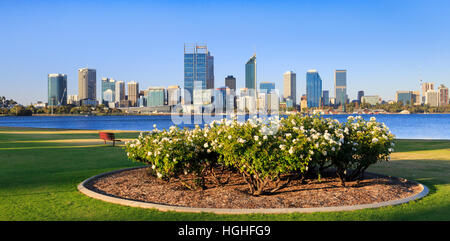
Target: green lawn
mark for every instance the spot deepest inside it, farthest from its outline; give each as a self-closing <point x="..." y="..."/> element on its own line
<point x="40" y="170"/>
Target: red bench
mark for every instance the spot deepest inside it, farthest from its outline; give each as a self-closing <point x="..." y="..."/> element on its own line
<point x="107" y="136"/>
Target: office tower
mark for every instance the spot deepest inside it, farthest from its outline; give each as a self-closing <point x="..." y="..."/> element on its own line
<point x="108" y="90"/>
<point x="210" y="77"/>
<point x="224" y="99"/>
<point x="443" y="95"/>
<point x="273" y="103"/>
<point x="120" y="91"/>
<point x="250" y="75"/>
<point x="57" y="89"/>
<point x="142" y="101"/>
<point x="290" y="86"/>
<point x="325" y="98"/>
<point x="203" y="96"/>
<point x="198" y="70"/>
<point x="432" y="98"/>
<point x="87" y="84"/>
<point x="313" y="88"/>
<point x="371" y="99"/>
<point x="266" y="87"/>
<point x="230" y="82"/>
<point x="425" y="87"/>
<point x="406" y="97"/>
<point x="360" y="95"/>
<point x="133" y="92"/>
<point x="340" y="86"/>
<point x="155" y="96"/>
<point x="173" y="95"/>
<point x="416" y="100"/>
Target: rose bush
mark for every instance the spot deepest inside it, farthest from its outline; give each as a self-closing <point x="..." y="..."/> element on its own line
<point x="364" y="143"/>
<point x="265" y="151"/>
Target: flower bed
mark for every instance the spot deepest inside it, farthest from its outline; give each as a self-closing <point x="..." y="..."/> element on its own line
<point x="266" y="153"/>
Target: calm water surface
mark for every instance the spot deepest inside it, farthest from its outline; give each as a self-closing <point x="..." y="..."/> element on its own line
<point x="414" y="126"/>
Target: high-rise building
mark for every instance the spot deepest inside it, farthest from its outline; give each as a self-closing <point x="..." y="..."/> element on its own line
<point x="250" y="75"/>
<point x="406" y="97"/>
<point x="290" y="86"/>
<point x="426" y="86"/>
<point x="173" y="95"/>
<point x="203" y="97"/>
<point x="325" y="98"/>
<point x="230" y="82"/>
<point x="432" y="98"/>
<point x="360" y="95"/>
<point x="87" y="84"/>
<point x="416" y="98"/>
<point x="108" y="90"/>
<point x="120" y="91"/>
<point x="224" y="99"/>
<point x="198" y="70"/>
<point x="155" y="96"/>
<point x="133" y="93"/>
<point x="313" y="88"/>
<point x="210" y="77"/>
<point x="266" y="87"/>
<point x="340" y="86"/>
<point x="57" y="89"/>
<point x="443" y="95"/>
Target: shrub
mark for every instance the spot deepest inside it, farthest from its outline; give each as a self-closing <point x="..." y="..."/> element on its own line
<point x="365" y="143"/>
<point x="265" y="151"/>
<point x="261" y="151"/>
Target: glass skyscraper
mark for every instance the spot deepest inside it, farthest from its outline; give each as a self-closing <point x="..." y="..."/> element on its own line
<point x="340" y="86"/>
<point x="108" y="90"/>
<point x="198" y="70"/>
<point x="325" y="97"/>
<point x="250" y="75"/>
<point x="313" y="88"/>
<point x="57" y="89"/>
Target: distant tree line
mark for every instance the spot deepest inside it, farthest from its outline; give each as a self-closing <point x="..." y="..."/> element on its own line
<point x="10" y="107"/>
<point x="398" y="107"/>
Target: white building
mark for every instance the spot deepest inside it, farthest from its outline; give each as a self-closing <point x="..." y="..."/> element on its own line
<point x="72" y="99"/>
<point x="432" y="98"/>
<point x="173" y="95"/>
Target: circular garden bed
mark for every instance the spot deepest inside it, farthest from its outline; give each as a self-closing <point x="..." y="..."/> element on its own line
<point x="137" y="185"/>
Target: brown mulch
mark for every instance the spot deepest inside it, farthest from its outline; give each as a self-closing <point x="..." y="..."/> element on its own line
<point x="137" y="184"/>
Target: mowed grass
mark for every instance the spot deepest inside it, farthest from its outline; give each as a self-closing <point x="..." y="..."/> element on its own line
<point x="41" y="168"/>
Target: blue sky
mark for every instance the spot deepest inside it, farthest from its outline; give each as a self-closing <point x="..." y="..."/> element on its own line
<point x="385" y="45"/>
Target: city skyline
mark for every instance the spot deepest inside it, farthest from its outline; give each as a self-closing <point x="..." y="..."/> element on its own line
<point x="386" y="47"/>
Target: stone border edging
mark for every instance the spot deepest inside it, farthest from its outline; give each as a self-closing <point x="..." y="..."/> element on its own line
<point x="162" y="207"/>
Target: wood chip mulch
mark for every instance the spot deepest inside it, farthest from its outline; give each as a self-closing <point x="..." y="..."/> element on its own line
<point x="137" y="184"/>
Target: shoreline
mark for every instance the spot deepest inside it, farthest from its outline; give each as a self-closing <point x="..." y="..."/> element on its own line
<point x="67" y="130"/>
<point x="210" y="114"/>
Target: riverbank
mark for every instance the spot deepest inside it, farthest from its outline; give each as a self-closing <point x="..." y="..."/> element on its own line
<point x="40" y="169"/>
<point x="219" y="114"/>
<point x="412" y="126"/>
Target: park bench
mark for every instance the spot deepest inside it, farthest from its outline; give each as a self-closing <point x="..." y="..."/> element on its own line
<point x="107" y="136"/>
